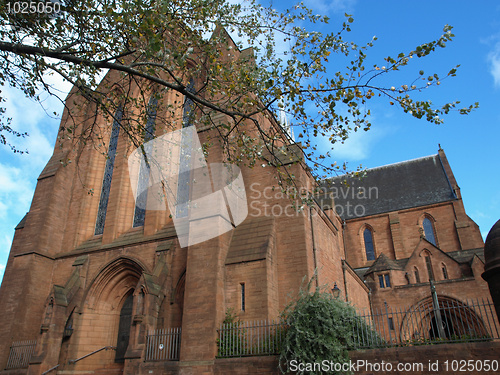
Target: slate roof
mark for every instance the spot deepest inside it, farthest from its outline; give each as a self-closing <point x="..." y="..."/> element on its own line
<point x="466" y="256"/>
<point x="383" y="263"/>
<point x="392" y="187"/>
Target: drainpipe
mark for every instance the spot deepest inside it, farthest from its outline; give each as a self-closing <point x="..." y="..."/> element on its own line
<point x="345" y="281"/>
<point x="314" y="247"/>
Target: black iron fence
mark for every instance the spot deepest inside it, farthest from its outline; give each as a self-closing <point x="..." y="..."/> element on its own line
<point x="163" y="345"/>
<point x="20" y="354"/>
<point x="261" y="337"/>
<point x="428" y="323"/>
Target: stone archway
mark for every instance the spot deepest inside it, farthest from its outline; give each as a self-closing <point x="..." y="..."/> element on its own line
<point x="105" y="317"/>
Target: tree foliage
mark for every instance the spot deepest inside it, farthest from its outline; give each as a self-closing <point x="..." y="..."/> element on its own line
<point x="320" y="328"/>
<point x="157" y="46"/>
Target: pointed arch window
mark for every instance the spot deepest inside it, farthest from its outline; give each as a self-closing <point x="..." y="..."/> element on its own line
<point x="185" y="160"/>
<point x="429" y="231"/>
<point x="417" y="275"/>
<point x="428" y="263"/>
<point x="369" y="247"/>
<point x="108" y="173"/>
<point x="142" y="184"/>
<point x="445" y="271"/>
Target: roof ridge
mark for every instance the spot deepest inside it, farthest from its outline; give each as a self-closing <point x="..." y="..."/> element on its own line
<point x="403" y="162"/>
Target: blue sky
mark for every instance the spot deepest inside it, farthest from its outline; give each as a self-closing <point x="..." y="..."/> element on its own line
<point x="470" y="142"/>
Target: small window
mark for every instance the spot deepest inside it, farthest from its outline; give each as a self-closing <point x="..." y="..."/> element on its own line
<point x="429" y="231"/>
<point x="387" y="281"/>
<point x="369" y="248"/>
<point x="445" y="271"/>
<point x="428" y="263"/>
<point x="390" y="321"/>
<point x="242" y="286"/>
<point x="384" y="281"/>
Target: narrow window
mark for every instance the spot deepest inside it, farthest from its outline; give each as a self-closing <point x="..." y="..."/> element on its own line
<point x="369" y="248"/>
<point x="381" y="281"/>
<point x="142" y="184"/>
<point x="384" y="281"/>
<point x="429" y="267"/>
<point x="387" y="281"/>
<point x="445" y="271"/>
<point x="417" y="275"/>
<point x="108" y="173"/>
<point x="390" y="321"/>
<point x="242" y="287"/>
<point x="185" y="160"/>
<point x="429" y="231"/>
<point x="187" y="116"/>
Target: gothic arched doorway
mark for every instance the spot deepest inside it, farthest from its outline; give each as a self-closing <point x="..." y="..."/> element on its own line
<point x="106" y="317"/>
<point x="124" y="328"/>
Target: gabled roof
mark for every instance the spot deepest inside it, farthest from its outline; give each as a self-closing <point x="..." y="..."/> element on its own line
<point x="383" y="263"/>
<point x="392" y="187"/>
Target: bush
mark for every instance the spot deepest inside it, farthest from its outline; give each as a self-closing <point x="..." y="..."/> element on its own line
<point x="321" y="327"/>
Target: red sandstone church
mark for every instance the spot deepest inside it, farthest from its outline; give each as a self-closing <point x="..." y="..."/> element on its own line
<point x="92" y="278"/>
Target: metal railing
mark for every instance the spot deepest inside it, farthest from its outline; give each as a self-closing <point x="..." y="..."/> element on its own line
<point x="449" y="321"/>
<point x="163" y="344"/>
<point x="51" y="369"/>
<point x="73" y="361"/>
<point x="20" y="354"/>
<point x="252" y="338"/>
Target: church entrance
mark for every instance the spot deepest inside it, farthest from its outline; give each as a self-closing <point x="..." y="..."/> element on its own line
<point x="124" y="329"/>
<point x="105" y="319"/>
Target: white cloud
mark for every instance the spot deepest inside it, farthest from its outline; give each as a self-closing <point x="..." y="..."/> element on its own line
<point x="359" y="144"/>
<point x="494" y="59"/>
<point x="18" y="173"/>
<point x="335" y="6"/>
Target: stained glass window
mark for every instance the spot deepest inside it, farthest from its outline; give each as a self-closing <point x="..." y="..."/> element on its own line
<point x="108" y="173"/>
<point x="185" y="160"/>
<point x="369" y="248"/>
<point x="142" y="184"/>
<point x="429" y="231"/>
